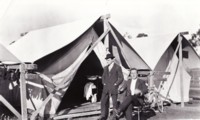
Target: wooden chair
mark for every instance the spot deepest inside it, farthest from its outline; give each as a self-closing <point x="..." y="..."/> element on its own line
<point x="155" y="98"/>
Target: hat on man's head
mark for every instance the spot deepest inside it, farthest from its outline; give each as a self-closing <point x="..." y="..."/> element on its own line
<point x="109" y="56"/>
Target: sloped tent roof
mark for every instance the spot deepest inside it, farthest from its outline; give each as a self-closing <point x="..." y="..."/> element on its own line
<point x="158" y="52"/>
<point x="37" y="44"/>
<point x="7" y="56"/>
<point x="56" y="50"/>
<point x="153" y="48"/>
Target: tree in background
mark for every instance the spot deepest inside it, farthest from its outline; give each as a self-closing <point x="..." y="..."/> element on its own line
<point x="195" y="39"/>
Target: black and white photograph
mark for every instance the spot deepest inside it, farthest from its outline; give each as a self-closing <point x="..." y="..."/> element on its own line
<point x="99" y="60"/>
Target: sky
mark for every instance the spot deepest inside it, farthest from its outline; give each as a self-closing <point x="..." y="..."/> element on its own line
<point x="133" y="16"/>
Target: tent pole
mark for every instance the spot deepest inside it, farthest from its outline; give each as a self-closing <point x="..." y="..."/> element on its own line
<point x="23" y="92"/>
<point x="65" y="80"/>
<point x="117" y="40"/>
<point x="181" y="69"/>
<point x="106" y="39"/>
<point x="175" y="52"/>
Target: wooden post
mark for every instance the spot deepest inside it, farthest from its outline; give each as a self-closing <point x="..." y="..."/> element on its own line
<point x="150" y="80"/>
<point x="181" y="69"/>
<point x="105" y="28"/>
<point x="23" y="92"/>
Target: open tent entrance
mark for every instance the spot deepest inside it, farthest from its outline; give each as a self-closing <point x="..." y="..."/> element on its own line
<point x="74" y="96"/>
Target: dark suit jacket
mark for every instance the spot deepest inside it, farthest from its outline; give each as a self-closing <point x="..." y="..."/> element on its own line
<point x="140" y="84"/>
<point x="109" y="78"/>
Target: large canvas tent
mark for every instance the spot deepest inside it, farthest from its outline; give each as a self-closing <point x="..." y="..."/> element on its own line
<point x="65" y="55"/>
<point x="159" y="53"/>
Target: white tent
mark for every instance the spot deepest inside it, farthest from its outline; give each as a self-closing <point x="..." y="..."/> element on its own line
<point x="158" y="51"/>
<point x="67" y="52"/>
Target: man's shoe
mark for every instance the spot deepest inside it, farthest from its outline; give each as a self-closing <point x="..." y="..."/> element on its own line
<point x="116" y="113"/>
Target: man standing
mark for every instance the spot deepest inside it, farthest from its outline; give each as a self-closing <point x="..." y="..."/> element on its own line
<point x="111" y="79"/>
<point x="135" y="91"/>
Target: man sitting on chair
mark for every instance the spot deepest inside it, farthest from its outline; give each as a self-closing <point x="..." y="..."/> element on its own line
<point x="135" y="90"/>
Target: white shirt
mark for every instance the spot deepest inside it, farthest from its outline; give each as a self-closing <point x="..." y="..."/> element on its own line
<point x="110" y="66"/>
<point x="132" y="86"/>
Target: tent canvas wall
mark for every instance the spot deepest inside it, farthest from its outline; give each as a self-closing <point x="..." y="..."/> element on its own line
<point x="62" y="53"/>
<point x="7" y="56"/>
<point x="158" y="52"/>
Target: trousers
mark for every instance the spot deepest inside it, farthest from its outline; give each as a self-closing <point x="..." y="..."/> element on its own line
<point x="127" y="106"/>
<point x="105" y="103"/>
